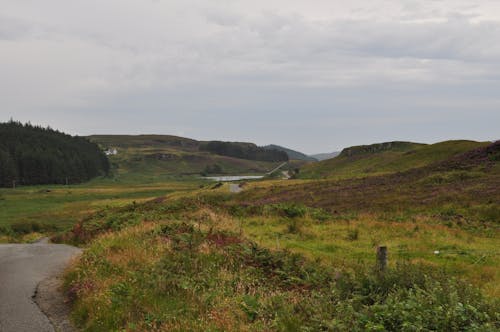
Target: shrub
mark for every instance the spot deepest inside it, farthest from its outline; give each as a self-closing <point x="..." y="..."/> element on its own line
<point x="353" y="234"/>
<point x="217" y="281"/>
<point x="293" y="210"/>
<point x="26" y="227"/>
<point x="294" y="226"/>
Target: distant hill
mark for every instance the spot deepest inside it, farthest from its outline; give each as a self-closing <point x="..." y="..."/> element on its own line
<point x="292" y="154"/>
<point x="383" y="158"/>
<point x="125" y="141"/>
<point x="465" y="173"/>
<point x="396" y="146"/>
<point x="242" y="150"/>
<point x="148" y="158"/>
<point x="31" y="155"/>
<point x="324" y="156"/>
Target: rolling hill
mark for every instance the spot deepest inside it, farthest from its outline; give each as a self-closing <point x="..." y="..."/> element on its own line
<point x="153" y="157"/>
<point x="462" y="187"/>
<point x="383" y="158"/>
<point x="325" y="156"/>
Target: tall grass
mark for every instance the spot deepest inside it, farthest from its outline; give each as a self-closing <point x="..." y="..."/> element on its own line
<point x="175" y="276"/>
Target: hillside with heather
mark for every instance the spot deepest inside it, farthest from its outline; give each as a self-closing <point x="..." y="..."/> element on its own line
<point x="384" y="158"/>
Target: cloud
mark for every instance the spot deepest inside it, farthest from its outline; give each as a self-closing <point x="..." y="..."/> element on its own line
<point x="191" y="64"/>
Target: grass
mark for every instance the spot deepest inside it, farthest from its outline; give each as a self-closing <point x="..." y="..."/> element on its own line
<point x="194" y="266"/>
<point x="152" y="158"/>
<point x="386" y="161"/>
<point x="56" y="208"/>
<point x="145" y="167"/>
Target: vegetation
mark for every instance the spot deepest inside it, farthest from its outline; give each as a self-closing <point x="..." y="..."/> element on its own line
<point x="178" y="276"/>
<point x="299" y="254"/>
<point x="244" y="151"/>
<point x="57" y="208"/>
<point x="212" y="169"/>
<point x="35" y="155"/>
<point x="160" y="158"/>
<point x="385" y="158"/>
<point x="292" y="154"/>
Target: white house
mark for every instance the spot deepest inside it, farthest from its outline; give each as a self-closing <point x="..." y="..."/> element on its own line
<point x="111" y="152"/>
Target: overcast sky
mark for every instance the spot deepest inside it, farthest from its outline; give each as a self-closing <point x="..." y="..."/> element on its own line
<point x="312" y="75"/>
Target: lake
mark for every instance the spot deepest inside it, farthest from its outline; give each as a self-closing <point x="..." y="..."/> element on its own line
<point x="233" y="177"/>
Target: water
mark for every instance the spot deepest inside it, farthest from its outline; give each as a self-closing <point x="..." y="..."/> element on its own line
<point x="233" y="177"/>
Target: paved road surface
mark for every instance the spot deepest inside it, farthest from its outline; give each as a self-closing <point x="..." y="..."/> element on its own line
<point x="22" y="267"/>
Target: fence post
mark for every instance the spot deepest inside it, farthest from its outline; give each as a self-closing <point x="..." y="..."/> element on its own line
<point x="381" y="258"/>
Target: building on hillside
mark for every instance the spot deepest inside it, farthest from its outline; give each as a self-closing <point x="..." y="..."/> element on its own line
<point x="111" y="152"/>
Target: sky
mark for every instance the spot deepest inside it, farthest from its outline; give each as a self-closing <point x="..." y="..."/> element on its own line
<point x="312" y="75"/>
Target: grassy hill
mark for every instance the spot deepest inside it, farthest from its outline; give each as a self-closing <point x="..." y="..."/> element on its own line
<point x="384" y="158"/>
<point x="325" y="156"/>
<point x="147" y="158"/>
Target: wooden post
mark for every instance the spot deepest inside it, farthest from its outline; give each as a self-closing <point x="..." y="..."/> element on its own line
<point x="382" y="258"/>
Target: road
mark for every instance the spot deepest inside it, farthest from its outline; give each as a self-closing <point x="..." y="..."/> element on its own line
<point x="22" y="268"/>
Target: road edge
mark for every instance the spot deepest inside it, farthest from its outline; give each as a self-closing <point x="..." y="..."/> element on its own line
<point x="53" y="304"/>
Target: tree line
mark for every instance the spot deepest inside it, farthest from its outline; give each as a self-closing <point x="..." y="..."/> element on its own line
<point x="248" y="151"/>
<point x="31" y="155"/>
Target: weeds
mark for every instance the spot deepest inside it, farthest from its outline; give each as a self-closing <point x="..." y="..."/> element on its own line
<point x="197" y="280"/>
<point x="353" y="234"/>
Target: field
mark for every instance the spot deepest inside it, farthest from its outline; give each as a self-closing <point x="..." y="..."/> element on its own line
<point x="202" y="262"/>
<point x="49" y="209"/>
<point x="284" y="255"/>
<point x="145" y="167"/>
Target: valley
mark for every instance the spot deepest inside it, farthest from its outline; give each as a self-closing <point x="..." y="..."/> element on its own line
<point x="165" y="249"/>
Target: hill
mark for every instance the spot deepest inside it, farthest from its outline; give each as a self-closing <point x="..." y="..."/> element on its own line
<point x="292" y="154"/>
<point x="150" y="158"/>
<point x="300" y="255"/>
<point x="32" y="155"/>
<point x="383" y="158"/>
<point x="465" y="179"/>
<point x="243" y="150"/>
<point x="325" y="156"/>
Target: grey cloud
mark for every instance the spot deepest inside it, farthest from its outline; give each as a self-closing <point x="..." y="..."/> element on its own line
<point x="333" y="70"/>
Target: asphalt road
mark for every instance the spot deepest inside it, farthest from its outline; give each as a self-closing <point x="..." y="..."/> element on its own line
<point x="22" y="267"/>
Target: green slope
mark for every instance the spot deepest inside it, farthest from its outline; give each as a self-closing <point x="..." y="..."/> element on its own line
<point x="151" y="158"/>
<point x="383" y="158"/>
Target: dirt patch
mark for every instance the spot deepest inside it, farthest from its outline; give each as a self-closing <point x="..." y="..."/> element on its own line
<point x="53" y="304"/>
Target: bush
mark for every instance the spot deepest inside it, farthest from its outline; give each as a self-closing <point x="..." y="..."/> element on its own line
<point x="26" y="227"/>
<point x="412" y="298"/>
<point x="292" y="210"/>
<point x="353" y="234"/>
<point x="294" y="226"/>
<point x="218" y="281"/>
